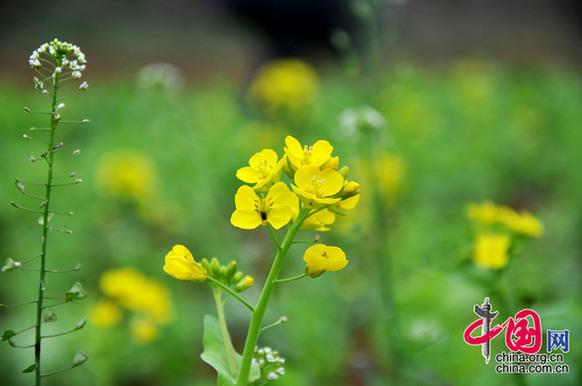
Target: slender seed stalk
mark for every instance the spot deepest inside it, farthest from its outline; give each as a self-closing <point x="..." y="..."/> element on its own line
<point x="45" y="229"/>
<point x="228" y="347"/>
<point x="260" y="308"/>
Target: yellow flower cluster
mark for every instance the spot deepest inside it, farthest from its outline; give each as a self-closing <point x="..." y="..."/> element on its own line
<point x="496" y="226"/>
<point x="145" y="298"/>
<point x="523" y="223"/>
<point x="284" y="87"/>
<point x="319" y="189"/>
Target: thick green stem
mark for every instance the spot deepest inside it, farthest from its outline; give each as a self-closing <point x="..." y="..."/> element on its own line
<point x="45" y="219"/>
<point x="228" y="347"/>
<point x="260" y="308"/>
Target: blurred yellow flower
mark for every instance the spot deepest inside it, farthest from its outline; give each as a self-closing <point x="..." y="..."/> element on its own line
<point x="143" y="330"/>
<point x="491" y="250"/>
<point x="389" y="170"/>
<point x="134" y="291"/>
<point x="264" y="170"/>
<point x="488" y="213"/>
<point x="180" y="264"/>
<point x="127" y="174"/>
<point x="321" y="258"/>
<point x="317" y="187"/>
<point x="284" y="87"/>
<point x="485" y="212"/>
<point x="523" y="223"/>
<point x="277" y="208"/>
<point x="315" y="155"/>
<point x="320" y="221"/>
<point x="105" y="314"/>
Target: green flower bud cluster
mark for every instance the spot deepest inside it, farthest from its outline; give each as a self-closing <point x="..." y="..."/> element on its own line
<point x="228" y="274"/>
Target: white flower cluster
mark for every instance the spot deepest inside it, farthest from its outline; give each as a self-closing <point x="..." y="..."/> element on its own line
<point x="270" y="362"/>
<point x="62" y="58"/>
<point x="364" y="119"/>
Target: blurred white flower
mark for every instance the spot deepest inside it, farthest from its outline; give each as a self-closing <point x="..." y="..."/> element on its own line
<point x="161" y="75"/>
<point x="356" y="121"/>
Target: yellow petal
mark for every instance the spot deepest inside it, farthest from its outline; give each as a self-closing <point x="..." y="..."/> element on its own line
<point x="293" y="148"/>
<point x="320" y="152"/>
<point x="268" y="156"/>
<point x="246" y="219"/>
<point x="305" y="176"/>
<point x="180" y="268"/>
<point x="349" y="203"/>
<point x="279" y="216"/>
<point x="336" y="259"/>
<point x="314" y="260"/>
<point x="246" y="198"/>
<point x="333" y="182"/>
<point x="182" y="251"/>
<point x="248" y="175"/>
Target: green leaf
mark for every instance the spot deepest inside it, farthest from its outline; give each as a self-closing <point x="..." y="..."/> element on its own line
<point x="75" y="293"/>
<point x="29" y="369"/>
<point x="214" y="354"/>
<point x="49" y="316"/>
<point x="8" y="334"/>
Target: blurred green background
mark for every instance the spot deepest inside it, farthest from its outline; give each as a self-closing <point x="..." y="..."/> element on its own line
<point x="464" y="121"/>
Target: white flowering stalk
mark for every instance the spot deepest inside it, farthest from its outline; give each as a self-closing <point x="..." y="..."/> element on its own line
<point x="54" y="63"/>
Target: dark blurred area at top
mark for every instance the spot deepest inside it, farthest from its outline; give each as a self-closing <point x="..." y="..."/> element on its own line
<point x="229" y="36"/>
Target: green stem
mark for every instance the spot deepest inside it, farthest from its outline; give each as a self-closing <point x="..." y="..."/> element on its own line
<point x="228" y="347"/>
<point x="45" y="228"/>
<point x="232" y="292"/>
<point x="259" y="313"/>
<point x="290" y="279"/>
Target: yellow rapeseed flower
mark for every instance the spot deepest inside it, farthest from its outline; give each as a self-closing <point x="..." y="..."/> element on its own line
<point x="284" y="87"/>
<point x="143" y="330"/>
<point x="389" y="170"/>
<point x="315" y="155"/>
<point x="523" y="223"/>
<point x="127" y="174"/>
<point x="132" y="290"/>
<point x="264" y="170"/>
<point x="105" y="314"/>
<point x="277" y="208"/>
<point x="320" y="221"/>
<point x="485" y="212"/>
<point x="180" y="264"/>
<point x="321" y="258"/>
<point x="491" y="250"/>
<point x="317" y="187"/>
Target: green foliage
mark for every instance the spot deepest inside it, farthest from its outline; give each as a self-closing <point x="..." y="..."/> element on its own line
<point x="214" y="354"/>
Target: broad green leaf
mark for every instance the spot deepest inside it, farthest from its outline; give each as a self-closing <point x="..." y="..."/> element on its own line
<point x="215" y="355"/>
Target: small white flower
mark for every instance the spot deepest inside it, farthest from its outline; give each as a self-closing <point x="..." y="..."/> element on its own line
<point x="76" y="75"/>
<point x="58" y="70"/>
<point x="272" y="376"/>
<point x="84" y="86"/>
<point x="60" y="106"/>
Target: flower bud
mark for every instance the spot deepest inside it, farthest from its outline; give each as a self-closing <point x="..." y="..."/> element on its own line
<point x="237" y="277"/>
<point x="332" y="163"/>
<point x="244" y="284"/>
<point x="230" y="271"/>
<point x="344" y="170"/>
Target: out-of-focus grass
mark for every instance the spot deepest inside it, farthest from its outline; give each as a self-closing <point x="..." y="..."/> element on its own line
<point x="467" y="133"/>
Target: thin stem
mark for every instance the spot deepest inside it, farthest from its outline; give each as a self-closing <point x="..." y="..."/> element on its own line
<point x="45" y="229"/>
<point x="274" y="237"/>
<point x="290" y="279"/>
<point x="232" y="292"/>
<point x="228" y="347"/>
<point x="259" y="313"/>
<point x="279" y="321"/>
